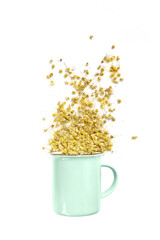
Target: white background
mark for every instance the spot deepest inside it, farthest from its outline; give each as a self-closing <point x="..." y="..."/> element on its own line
<point x="32" y="32"/>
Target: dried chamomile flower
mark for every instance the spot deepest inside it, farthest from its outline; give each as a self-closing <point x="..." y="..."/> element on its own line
<point x="121" y="79"/>
<point x="86" y="71"/>
<point x="115" y="81"/>
<point x="112" y="75"/>
<point x="51" y="75"/>
<point x="91" y="37"/>
<point x="134" y="137"/>
<point x="51" y="83"/>
<point x="119" y="101"/>
<point x="67" y="69"/>
<point x="65" y="75"/>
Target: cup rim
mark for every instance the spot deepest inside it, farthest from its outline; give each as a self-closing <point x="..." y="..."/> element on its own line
<point x="76" y="155"/>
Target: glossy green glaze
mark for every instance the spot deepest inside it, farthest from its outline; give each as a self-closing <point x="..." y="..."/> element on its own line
<point x="77" y="184"/>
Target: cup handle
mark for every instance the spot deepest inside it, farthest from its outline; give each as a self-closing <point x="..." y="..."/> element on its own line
<point x="114" y="184"/>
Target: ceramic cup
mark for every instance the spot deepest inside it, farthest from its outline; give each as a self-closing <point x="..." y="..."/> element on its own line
<point x="77" y="184"/>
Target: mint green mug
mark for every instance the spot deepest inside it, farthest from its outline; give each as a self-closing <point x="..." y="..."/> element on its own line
<point x="77" y="184"/>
